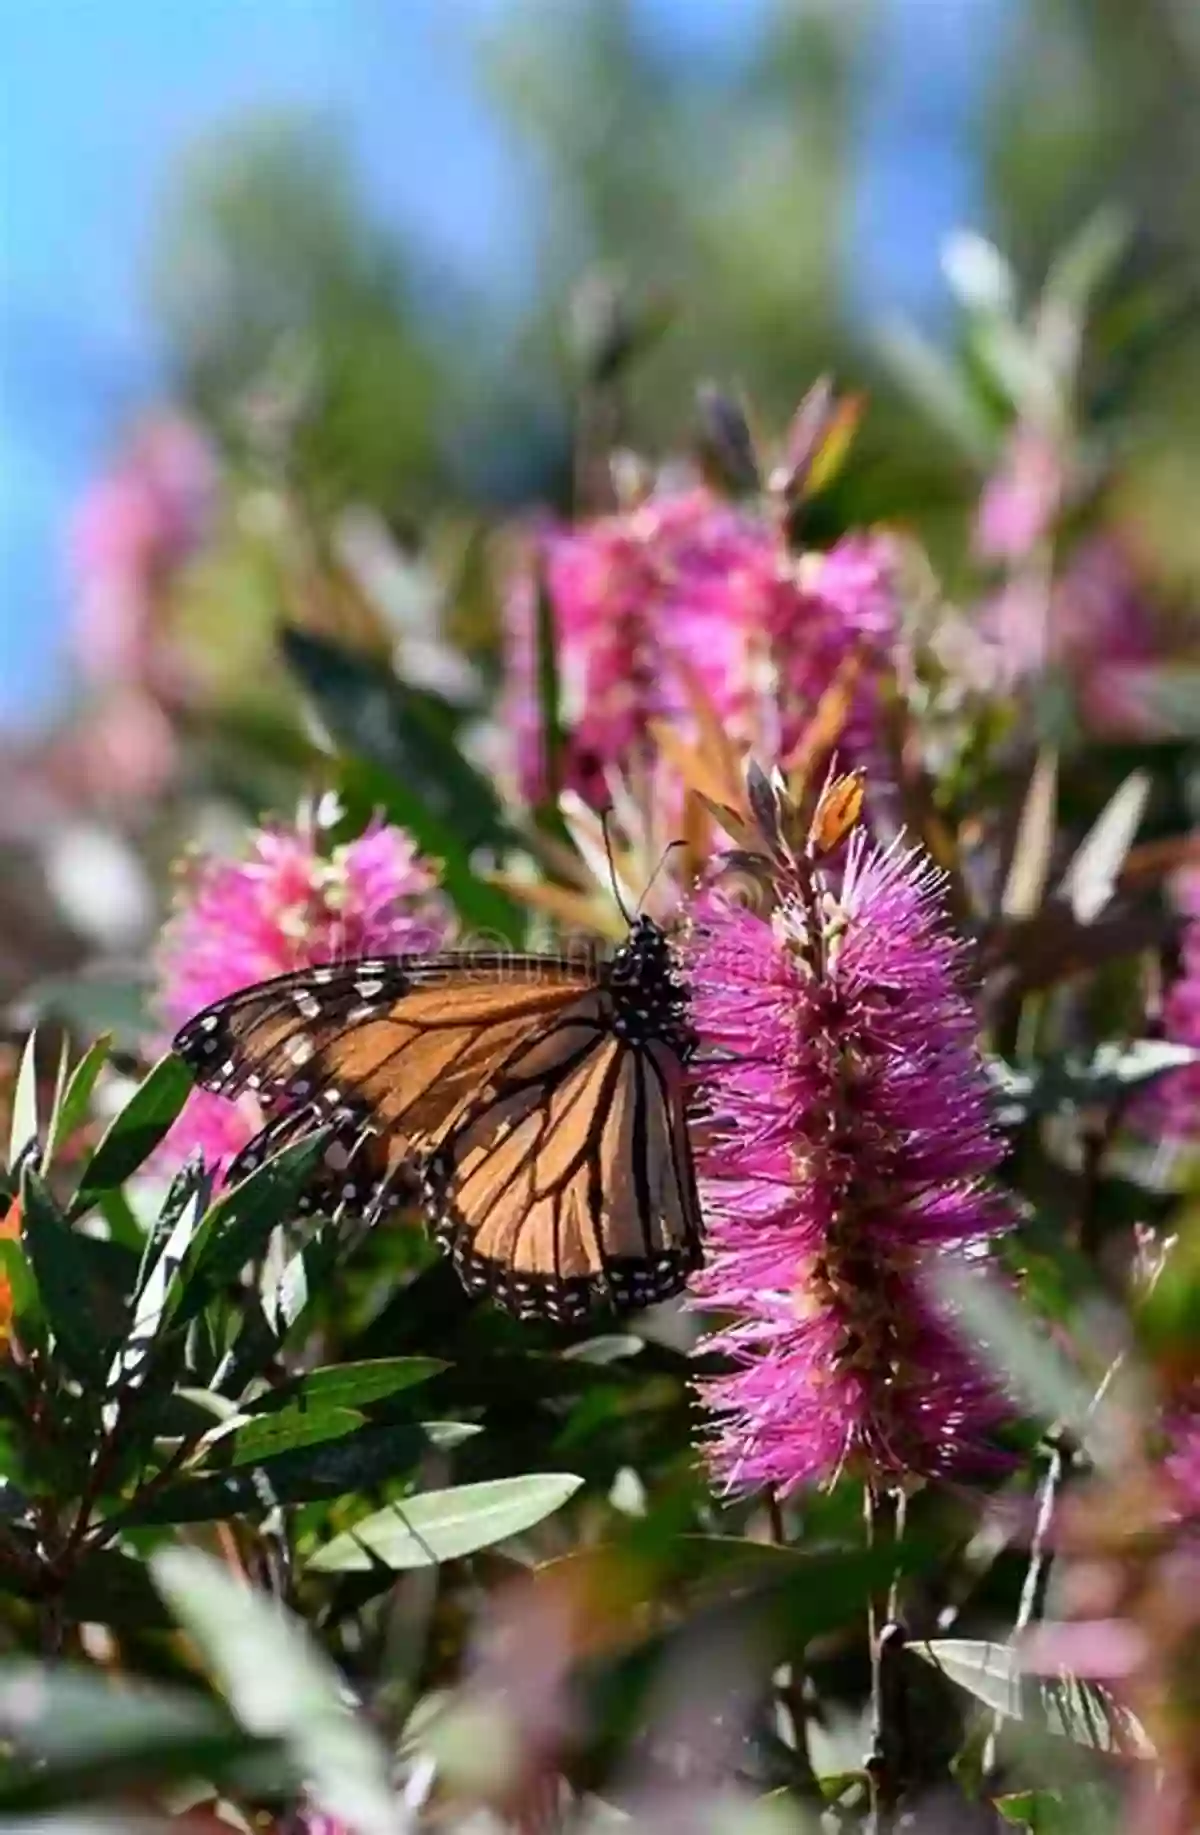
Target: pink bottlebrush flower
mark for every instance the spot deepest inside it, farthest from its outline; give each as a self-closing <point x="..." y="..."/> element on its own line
<point x="675" y="578"/>
<point x="284" y="906"/>
<point x="830" y="606"/>
<point x="1095" y="624"/>
<point x="1021" y="501"/>
<point x="1182" y="1462"/>
<point x="1172" y="1105"/>
<point x="848" y="1138"/>
<point x="1105" y="637"/>
<point x="132" y="529"/>
<point x="685" y="587"/>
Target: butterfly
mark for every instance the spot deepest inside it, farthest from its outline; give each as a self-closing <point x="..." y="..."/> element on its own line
<point x="533" y="1105"/>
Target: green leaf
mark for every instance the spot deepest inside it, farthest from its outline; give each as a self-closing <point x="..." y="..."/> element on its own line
<point x="77" y="1308"/>
<point x="405" y="732"/>
<point x="82" y="1734"/>
<point x="23" y="1128"/>
<point x="766" y="1617"/>
<point x="941" y="389"/>
<point x="281" y="1687"/>
<point x="272" y="1313"/>
<point x="15" y="1269"/>
<point x="1091" y="879"/>
<point x="1072" y="1082"/>
<point x="442" y="1525"/>
<point x="1083" y="1810"/>
<point x="254" y="1441"/>
<point x="607" y="1348"/>
<point x="1033" y="845"/>
<point x="71" y="1111"/>
<point x="485" y="908"/>
<point x="106" y="1587"/>
<point x="1087" y="260"/>
<point x="550" y="724"/>
<point x="122" y="1221"/>
<point x="350" y="1385"/>
<point x="237" y="1226"/>
<point x="133" y="1135"/>
<point x="1065" y="1705"/>
<point x="91" y="1003"/>
<point x="162" y="1258"/>
<point x="1006" y="1339"/>
<point x="302" y="1475"/>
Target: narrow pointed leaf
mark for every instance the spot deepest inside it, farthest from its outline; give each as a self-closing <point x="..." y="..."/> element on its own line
<point x="1029" y="868"/>
<point x="281" y="1686"/>
<point x="350" y="1385"/>
<point x="133" y="1135"/>
<point x="1066" y="1705"/>
<point x="84" y="1316"/>
<point x="71" y="1110"/>
<point x="443" y="1525"/>
<point x="23" y="1128"/>
<point x="238" y="1225"/>
<point x="80" y="1731"/>
<point x="256" y="1440"/>
<point x="1091" y="879"/>
<point x="302" y="1475"/>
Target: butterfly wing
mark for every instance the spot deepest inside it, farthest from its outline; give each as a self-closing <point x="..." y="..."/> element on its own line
<point x="574" y="1183"/>
<point x="554" y="1152"/>
<point x="387" y="1051"/>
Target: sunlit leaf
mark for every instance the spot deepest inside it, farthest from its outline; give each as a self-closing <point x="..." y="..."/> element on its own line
<point x="78" y="1309"/>
<point x="941" y="388"/>
<point x="443" y="1525"/>
<point x="1066" y="1705"/>
<point x="1029" y="869"/>
<point x="252" y="1441"/>
<point x="1091" y="879"/>
<point x="280" y="1686"/>
<point x="335" y="1468"/>
<point x="350" y="1385"/>
<point x="1074" y="1082"/>
<point x="237" y="1227"/>
<point x="82" y="1733"/>
<point x="132" y="1136"/>
<point x="23" y="1128"/>
<point x="71" y="1110"/>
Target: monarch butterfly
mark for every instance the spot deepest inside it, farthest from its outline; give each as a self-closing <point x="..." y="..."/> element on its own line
<point x="534" y="1106"/>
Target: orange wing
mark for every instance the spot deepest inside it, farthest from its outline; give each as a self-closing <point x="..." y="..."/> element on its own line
<point x="574" y="1183"/>
<point x="551" y="1152"/>
<point x="387" y="1051"/>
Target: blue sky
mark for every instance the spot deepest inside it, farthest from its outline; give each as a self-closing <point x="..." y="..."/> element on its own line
<point x="100" y="97"/>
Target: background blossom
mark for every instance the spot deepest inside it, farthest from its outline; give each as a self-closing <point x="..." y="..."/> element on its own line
<point x="686" y="589"/>
<point x="284" y="905"/>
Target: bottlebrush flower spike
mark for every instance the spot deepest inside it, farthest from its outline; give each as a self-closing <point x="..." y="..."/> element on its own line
<point x="848" y="1138"/>
<point x="686" y="592"/>
<point x="285" y="905"/>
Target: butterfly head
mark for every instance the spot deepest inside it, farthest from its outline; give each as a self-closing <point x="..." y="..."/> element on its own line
<point x="649" y="997"/>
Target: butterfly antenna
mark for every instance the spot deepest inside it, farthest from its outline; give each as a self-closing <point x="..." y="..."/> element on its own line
<point x="662" y="861"/>
<point x="605" y="815"/>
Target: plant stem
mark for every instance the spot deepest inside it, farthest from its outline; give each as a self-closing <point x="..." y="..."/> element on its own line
<point x="1056" y="1466"/>
<point x="791" y="1692"/>
<point x="884" y="1515"/>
